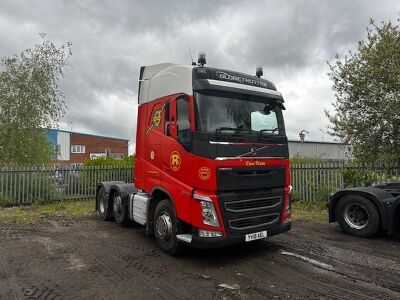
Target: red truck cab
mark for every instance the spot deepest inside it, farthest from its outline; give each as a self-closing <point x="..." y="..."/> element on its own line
<point x="212" y="165"/>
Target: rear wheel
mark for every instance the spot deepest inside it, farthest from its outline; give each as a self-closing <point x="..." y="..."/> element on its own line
<point x="103" y="205"/>
<point x="165" y="228"/>
<point x="357" y="216"/>
<point x="120" y="210"/>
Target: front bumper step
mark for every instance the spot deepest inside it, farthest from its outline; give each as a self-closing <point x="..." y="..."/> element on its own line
<point x="216" y="242"/>
<point x="187" y="237"/>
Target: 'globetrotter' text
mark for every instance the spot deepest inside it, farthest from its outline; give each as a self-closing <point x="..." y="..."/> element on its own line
<point x="244" y="80"/>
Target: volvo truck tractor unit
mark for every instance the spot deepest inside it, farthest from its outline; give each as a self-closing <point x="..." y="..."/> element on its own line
<point x="212" y="161"/>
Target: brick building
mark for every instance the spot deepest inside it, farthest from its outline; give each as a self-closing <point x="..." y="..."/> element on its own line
<point x="74" y="148"/>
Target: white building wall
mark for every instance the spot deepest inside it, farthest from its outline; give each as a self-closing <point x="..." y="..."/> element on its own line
<point x="321" y="150"/>
<point x="64" y="142"/>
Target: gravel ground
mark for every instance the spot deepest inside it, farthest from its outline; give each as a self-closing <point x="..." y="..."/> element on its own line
<point x="70" y="258"/>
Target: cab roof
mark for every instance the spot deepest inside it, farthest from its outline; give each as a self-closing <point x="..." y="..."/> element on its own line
<point x="165" y="79"/>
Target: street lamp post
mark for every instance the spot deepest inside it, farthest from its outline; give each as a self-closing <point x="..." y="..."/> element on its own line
<point x="302" y="135"/>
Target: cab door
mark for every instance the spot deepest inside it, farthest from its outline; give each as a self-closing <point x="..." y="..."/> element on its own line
<point x="176" y="159"/>
<point x="178" y="135"/>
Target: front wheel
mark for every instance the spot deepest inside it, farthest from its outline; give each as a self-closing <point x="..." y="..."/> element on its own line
<point x="357" y="216"/>
<point x="165" y="228"/>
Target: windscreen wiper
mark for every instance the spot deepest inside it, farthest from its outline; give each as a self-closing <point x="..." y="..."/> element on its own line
<point x="268" y="130"/>
<point x="254" y="150"/>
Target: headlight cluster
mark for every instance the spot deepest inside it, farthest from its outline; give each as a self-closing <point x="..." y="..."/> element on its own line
<point x="207" y="210"/>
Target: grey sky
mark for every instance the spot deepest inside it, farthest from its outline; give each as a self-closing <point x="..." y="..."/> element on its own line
<point x="112" y="39"/>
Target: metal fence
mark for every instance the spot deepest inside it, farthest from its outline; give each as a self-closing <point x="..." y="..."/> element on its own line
<point x="311" y="182"/>
<point x="29" y="185"/>
<point x="314" y="182"/>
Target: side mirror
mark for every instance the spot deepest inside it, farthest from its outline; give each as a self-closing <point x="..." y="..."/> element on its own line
<point x="266" y="112"/>
<point x="267" y="108"/>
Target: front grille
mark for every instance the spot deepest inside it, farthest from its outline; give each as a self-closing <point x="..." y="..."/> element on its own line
<point x="253" y="222"/>
<point x="253" y="204"/>
<point x="250" y="178"/>
<point x="249" y="210"/>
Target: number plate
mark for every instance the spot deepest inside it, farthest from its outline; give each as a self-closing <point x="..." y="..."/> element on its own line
<point x="256" y="236"/>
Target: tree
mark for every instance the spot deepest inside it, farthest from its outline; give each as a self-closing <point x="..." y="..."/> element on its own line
<point x="367" y="90"/>
<point x="30" y="100"/>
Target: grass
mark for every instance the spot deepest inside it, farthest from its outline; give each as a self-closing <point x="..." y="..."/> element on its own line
<point x="307" y="211"/>
<point x="29" y="215"/>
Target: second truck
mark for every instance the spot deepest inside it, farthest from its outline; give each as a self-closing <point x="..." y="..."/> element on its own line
<point x="212" y="161"/>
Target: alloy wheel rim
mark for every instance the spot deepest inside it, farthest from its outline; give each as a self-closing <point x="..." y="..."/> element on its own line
<point x="164" y="226"/>
<point x="356" y="216"/>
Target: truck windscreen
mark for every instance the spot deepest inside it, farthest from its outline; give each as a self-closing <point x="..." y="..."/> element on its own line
<point x="235" y="113"/>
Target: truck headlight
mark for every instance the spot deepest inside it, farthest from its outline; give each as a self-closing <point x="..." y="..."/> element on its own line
<point x="207" y="210"/>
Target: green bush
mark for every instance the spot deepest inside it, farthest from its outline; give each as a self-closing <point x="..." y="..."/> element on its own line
<point x="306" y="160"/>
<point x="353" y="177"/>
<point x="317" y="192"/>
<point x="110" y="161"/>
<point x="6" y="200"/>
<point x="296" y="197"/>
<point x="323" y="192"/>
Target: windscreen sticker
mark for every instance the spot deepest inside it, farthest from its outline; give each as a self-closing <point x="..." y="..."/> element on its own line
<point x="204" y="173"/>
<point x="175" y="161"/>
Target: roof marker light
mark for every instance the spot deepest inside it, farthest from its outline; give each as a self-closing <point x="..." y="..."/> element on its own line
<point x="202" y="58"/>
<point x="259" y="71"/>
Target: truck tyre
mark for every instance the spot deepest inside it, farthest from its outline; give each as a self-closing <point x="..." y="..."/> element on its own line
<point x="165" y="228"/>
<point x="120" y="210"/>
<point x="103" y="205"/>
<point x="357" y="216"/>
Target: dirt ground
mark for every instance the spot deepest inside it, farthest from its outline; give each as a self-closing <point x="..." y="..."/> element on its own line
<point x="70" y="258"/>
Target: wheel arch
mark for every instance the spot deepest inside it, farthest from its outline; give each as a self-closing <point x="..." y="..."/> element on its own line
<point x="107" y="185"/>
<point x="375" y="195"/>
<point x="157" y="194"/>
<point x="112" y="187"/>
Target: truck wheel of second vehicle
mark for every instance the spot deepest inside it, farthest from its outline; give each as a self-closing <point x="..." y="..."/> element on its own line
<point x="103" y="205"/>
<point x="357" y="216"/>
<point x="165" y="224"/>
<point x="120" y="210"/>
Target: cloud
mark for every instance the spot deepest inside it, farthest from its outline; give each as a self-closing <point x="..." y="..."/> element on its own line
<point x="111" y="40"/>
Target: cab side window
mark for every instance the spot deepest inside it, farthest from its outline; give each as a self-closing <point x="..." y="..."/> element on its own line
<point x="182" y="108"/>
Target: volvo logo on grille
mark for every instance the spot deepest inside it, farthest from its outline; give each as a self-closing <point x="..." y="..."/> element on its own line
<point x="225" y="169"/>
<point x="253" y="151"/>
